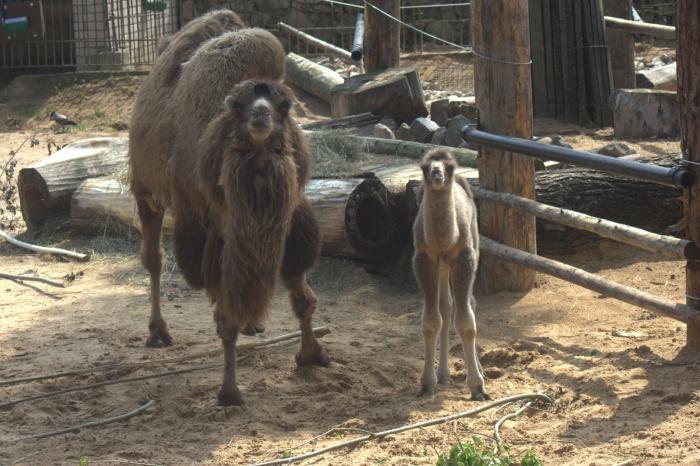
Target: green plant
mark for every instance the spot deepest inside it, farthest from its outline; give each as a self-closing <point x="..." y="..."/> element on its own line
<point x="286" y="453"/>
<point x="83" y="461"/>
<point x="476" y="453"/>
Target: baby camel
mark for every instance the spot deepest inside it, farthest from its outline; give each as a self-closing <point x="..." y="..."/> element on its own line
<point x="446" y="242"/>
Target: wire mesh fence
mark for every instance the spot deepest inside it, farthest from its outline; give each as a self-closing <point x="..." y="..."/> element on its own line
<point x="123" y="34"/>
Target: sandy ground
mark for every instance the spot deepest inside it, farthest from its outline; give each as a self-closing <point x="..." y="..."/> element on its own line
<point x="623" y="385"/>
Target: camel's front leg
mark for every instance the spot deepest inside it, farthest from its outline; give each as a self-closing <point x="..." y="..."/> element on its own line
<point x="464" y="273"/>
<point x="443" y="371"/>
<point x="302" y="248"/>
<point x="425" y="270"/>
<point x="229" y="394"/>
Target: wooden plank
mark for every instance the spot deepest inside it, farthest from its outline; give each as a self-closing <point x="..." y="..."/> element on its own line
<point x="620" y="44"/>
<point x="564" y="65"/>
<point x="538" y="53"/>
<point x="578" y="27"/>
<point x="549" y="58"/>
<point x="633" y="27"/>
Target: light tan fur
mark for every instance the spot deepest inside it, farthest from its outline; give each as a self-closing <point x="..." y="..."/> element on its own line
<point x="446" y="243"/>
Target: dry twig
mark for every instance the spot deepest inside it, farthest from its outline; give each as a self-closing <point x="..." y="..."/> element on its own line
<point x="505" y="418"/>
<point x="110" y="420"/>
<point x="31" y="247"/>
<point x="29" y="278"/>
<point x="432" y="422"/>
<point x="318" y="331"/>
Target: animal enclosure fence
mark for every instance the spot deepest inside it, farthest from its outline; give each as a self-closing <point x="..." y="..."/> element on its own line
<point x="675" y="248"/>
<point x="122" y="35"/>
<point x="83" y="35"/>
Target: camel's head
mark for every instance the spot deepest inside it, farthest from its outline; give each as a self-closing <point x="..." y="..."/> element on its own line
<point x="438" y="168"/>
<point x="261" y="109"/>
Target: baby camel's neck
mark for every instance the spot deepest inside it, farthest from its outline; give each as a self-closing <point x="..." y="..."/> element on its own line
<point x="440" y="224"/>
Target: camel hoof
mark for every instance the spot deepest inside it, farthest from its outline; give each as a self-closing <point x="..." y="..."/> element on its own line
<point x="159" y="339"/>
<point x="251" y="330"/>
<point x="233" y="398"/>
<point x="318" y="357"/>
<point x="480" y="395"/>
<point x="426" y="391"/>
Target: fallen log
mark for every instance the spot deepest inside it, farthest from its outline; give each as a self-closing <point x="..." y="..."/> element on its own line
<point x="45" y="188"/>
<point x="311" y="77"/>
<point x="357" y="216"/>
<point x="661" y="78"/>
<point x="643" y="113"/>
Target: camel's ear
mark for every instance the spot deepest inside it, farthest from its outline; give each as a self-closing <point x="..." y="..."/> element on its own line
<point x="234" y="105"/>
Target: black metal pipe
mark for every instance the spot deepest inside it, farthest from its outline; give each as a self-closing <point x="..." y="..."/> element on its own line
<point x="673" y="176"/>
<point x="358" y="40"/>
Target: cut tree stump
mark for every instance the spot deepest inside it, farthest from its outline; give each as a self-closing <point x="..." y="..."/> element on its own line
<point x="395" y="92"/>
<point x="45" y="188"/>
<point x="643" y="113"/>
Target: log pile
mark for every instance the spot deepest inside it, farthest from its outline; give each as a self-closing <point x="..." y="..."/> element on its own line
<point x="365" y="218"/>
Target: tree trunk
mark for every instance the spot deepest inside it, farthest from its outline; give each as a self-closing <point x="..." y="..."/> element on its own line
<point x="503" y="94"/>
<point x="45" y="188"/>
<point x="687" y="52"/>
<point x="620" y="45"/>
<point x="381" y="45"/>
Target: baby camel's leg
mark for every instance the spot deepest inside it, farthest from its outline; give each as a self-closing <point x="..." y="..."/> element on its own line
<point x="445" y="303"/>
<point x="426" y="272"/>
<point x="463" y="275"/>
<point x="229" y="394"/>
<point x="151" y="216"/>
<point x="302" y="248"/>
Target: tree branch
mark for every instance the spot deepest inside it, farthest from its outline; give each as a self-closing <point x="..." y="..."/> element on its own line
<point x="31" y="247"/>
<point x="29" y="278"/>
<point x="377" y="435"/>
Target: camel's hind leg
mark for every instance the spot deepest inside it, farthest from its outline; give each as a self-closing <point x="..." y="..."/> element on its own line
<point x="301" y="251"/>
<point x="151" y="216"/>
<point x="445" y="303"/>
<point x="462" y="281"/>
<point x="425" y="269"/>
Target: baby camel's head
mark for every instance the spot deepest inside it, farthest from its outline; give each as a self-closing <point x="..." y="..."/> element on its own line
<point x="438" y="167"/>
<point x="260" y="109"/>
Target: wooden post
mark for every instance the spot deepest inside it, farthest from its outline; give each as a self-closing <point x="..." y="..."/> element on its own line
<point x="381" y="46"/>
<point x="687" y="52"/>
<point x="500" y="33"/>
<point x="620" y="45"/>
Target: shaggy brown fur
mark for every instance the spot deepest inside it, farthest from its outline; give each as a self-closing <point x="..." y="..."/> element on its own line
<point x="234" y="178"/>
<point x="167" y="121"/>
<point x="446" y="241"/>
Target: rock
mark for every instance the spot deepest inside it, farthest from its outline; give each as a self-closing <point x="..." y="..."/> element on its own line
<point x="663" y="78"/>
<point x="422" y="129"/>
<point x="389" y="123"/>
<point x="382" y="131"/>
<point x="544" y="140"/>
<point x="439" y="137"/>
<point x="494" y="372"/>
<point x="438" y="111"/>
<point x="617" y="149"/>
<point x="404" y="132"/>
<point x="454" y="127"/>
<point x="559" y="141"/>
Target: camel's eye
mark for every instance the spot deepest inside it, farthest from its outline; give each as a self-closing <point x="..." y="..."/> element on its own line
<point x="234" y="105"/>
<point x="284" y="106"/>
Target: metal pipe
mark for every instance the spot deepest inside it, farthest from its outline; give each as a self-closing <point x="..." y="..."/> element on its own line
<point x="673" y="176"/>
<point x="358" y="41"/>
